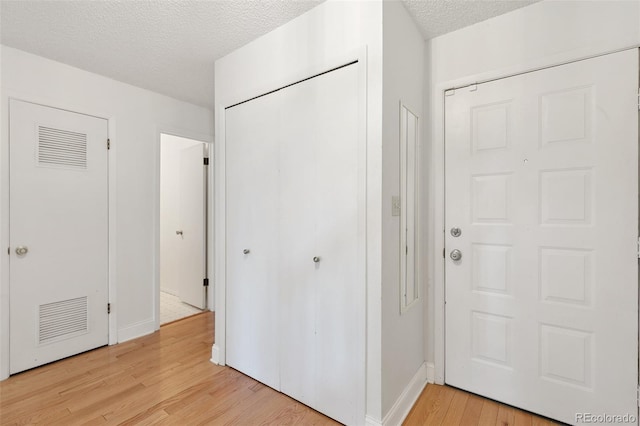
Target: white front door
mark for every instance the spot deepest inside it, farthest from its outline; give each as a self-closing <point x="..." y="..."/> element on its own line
<point x="192" y="218"/>
<point x="542" y="183"/>
<point x="58" y="234"/>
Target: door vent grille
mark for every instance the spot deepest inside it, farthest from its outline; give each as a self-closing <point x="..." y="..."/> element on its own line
<point x="62" y="319"/>
<point x="62" y="148"/>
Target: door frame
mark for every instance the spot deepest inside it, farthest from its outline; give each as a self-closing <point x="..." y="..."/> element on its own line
<point x="370" y="209"/>
<point x="208" y="141"/>
<point x="438" y="260"/>
<point x="5" y="219"/>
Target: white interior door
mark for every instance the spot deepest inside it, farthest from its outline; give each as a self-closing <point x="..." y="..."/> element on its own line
<point x="191" y="270"/>
<point x="252" y="212"/>
<point x="542" y="181"/>
<point x="58" y="234"/>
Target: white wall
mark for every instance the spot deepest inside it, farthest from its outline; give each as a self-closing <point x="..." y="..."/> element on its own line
<point x="335" y="29"/>
<point x="170" y="148"/>
<point x="540" y="35"/>
<point x="402" y="334"/>
<point x="136" y="117"/>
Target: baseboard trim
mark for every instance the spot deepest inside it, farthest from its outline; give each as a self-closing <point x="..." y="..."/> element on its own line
<point x="215" y="355"/>
<point x="407" y="398"/>
<point x="135" y="330"/>
<point x="431" y="372"/>
<point x="370" y="421"/>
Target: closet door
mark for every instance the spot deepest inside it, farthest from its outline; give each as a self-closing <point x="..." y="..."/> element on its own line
<point x="320" y="327"/>
<point x="252" y="238"/>
<point x="298" y="313"/>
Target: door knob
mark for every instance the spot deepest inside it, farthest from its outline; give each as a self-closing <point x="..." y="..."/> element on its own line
<point x="316" y="259"/>
<point x="21" y="250"/>
<point x="246" y="251"/>
<point x="456" y="254"/>
<point x="179" y="233"/>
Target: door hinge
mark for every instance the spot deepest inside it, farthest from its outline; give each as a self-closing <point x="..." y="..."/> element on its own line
<point x="205" y="282"/>
<point x="108" y="308"/>
<point x="444" y="250"/>
<point x="206" y="161"/>
<point x="638" y="247"/>
<point x="638" y="98"/>
<point x="638" y="395"/>
<point x="108" y="143"/>
<point x="9" y="251"/>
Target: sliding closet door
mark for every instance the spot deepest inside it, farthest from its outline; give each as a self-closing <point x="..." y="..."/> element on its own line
<point x="319" y="225"/>
<point x="252" y="238"/>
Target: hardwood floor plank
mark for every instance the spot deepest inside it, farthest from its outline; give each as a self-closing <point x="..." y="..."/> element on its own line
<point x="489" y="413"/>
<point x="423" y="406"/>
<point x="522" y="419"/>
<point x="506" y="416"/>
<point x="166" y="378"/>
<point x="472" y="411"/>
<point x="440" y="409"/>
<point x="456" y="408"/>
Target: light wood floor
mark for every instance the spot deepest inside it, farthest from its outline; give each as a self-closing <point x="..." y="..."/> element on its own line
<point x="443" y="405"/>
<point x="163" y="378"/>
<point x="166" y="378"/>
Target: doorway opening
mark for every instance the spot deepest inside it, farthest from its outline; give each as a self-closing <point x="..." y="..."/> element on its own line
<point x="183" y="185"/>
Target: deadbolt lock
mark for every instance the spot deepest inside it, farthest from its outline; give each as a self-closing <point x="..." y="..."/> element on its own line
<point x="456" y="232"/>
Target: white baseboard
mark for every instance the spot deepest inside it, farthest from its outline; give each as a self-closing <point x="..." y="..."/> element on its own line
<point x="407" y="398"/>
<point x="369" y="421"/>
<point x="215" y="355"/>
<point x="431" y="372"/>
<point x="135" y="330"/>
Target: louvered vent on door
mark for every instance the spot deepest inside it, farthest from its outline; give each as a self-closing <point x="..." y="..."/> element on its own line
<point x="60" y="319"/>
<point x="58" y="147"/>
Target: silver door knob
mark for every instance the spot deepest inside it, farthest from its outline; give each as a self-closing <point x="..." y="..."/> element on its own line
<point x="179" y="233"/>
<point x="21" y="251"/>
<point x="246" y="251"/>
<point x="456" y="232"/>
<point x="316" y="259"/>
<point x="456" y="254"/>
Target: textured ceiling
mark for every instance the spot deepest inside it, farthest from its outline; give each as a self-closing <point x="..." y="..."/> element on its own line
<point x="170" y="46"/>
<point x="437" y="17"/>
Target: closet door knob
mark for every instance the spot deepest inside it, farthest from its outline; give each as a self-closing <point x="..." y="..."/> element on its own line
<point x="246" y="251"/>
<point x="316" y="259"/>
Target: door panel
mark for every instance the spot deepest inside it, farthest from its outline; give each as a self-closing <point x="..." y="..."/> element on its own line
<point x="319" y="199"/>
<point x="297" y="226"/>
<point x="542" y="178"/>
<point x="337" y="215"/>
<point x="252" y="217"/>
<point x="58" y="211"/>
<point x="192" y="217"/>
